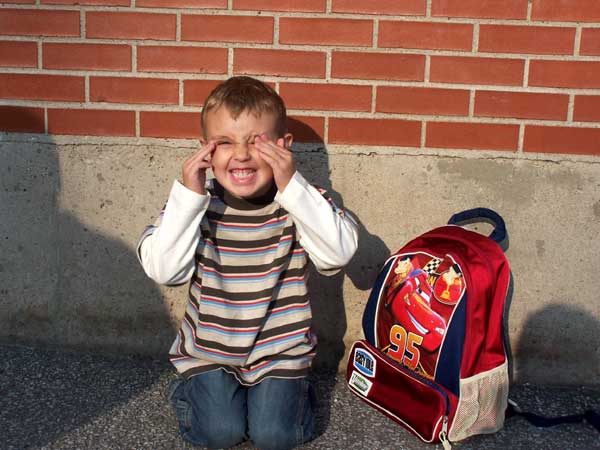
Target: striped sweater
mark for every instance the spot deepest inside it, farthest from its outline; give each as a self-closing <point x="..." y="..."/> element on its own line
<point x="248" y="311"/>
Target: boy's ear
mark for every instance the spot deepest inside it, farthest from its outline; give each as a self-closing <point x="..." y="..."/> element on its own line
<point x="288" y="139"/>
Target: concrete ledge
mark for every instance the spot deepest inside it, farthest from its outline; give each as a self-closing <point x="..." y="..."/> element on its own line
<point x="74" y="208"/>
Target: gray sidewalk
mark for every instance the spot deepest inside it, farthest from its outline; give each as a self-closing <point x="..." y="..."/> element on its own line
<point x="67" y="400"/>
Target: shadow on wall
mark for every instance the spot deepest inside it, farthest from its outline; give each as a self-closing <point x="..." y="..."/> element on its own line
<point x="560" y="336"/>
<point x="326" y="293"/>
<point x="62" y="284"/>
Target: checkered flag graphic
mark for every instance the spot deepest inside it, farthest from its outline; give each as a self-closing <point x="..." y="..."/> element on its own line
<point x="432" y="266"/>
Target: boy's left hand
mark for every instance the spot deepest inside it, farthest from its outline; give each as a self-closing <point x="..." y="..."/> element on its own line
<point x="278" y="157"/>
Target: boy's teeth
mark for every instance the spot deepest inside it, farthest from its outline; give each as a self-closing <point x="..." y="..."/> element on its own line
<point x="242" y="173"/>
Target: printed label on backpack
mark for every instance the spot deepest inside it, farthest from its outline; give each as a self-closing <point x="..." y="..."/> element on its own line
<point x="364" y="362"/>
<point x="415" y="307"/>
<point x="360" y="383"/>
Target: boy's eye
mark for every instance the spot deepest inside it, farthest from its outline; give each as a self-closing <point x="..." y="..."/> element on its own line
<point x="222" y="143"/>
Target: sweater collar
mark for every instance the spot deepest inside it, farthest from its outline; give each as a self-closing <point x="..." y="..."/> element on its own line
<point x="244" y="203"/>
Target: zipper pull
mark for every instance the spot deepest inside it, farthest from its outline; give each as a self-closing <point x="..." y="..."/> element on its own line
<point x="444" y="434"/>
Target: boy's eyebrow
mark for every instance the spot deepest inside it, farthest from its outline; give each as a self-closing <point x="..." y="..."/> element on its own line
<point x="247" y="138"/>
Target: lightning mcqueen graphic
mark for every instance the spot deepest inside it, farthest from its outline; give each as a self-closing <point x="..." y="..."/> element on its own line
<point x="409" y="304"/>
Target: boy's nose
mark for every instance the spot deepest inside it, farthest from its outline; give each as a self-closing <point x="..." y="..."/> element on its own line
<point x="242" y="152"/>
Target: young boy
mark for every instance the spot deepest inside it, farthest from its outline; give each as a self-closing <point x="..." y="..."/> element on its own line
<point x="245" y="344"/>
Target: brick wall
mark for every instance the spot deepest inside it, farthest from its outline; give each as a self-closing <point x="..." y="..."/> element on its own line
<point x="511" y="75"/>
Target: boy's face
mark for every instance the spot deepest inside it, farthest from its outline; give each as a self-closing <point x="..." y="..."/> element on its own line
<point x="236" y="163"/>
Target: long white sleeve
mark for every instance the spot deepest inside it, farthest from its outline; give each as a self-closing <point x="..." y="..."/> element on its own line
<point x="328" y="234"/>
<point x="166" y="250"/>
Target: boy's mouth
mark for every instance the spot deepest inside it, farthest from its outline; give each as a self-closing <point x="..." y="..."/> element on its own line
<point x="242" y="175"/>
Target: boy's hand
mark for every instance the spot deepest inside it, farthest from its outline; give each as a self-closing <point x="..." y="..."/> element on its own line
<point x="278" y="157"/>
<point x="194" y="168"/>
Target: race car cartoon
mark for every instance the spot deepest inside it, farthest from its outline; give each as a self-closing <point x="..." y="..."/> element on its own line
<point x="409" y="299"/>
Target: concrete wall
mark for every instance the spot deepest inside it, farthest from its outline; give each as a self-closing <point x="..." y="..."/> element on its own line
<point x="73" y="209"/>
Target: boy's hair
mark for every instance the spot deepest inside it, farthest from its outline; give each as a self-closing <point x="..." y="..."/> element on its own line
<point x="241" y="93"/>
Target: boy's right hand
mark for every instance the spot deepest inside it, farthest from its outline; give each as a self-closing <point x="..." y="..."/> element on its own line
<point x="194" y="168"/>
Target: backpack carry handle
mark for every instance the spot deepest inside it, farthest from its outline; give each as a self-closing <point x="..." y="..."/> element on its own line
<point x="482" y="215"/>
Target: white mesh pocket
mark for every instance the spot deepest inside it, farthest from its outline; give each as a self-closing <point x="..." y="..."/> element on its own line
<point x="482" y="404"/>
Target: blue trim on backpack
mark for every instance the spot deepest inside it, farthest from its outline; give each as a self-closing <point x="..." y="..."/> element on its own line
<point x="476" y="215"/>
<point x="368" y="319"/>
<point x="450" y="357"/>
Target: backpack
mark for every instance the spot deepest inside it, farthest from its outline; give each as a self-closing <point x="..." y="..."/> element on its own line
<point x="434" y="357"/>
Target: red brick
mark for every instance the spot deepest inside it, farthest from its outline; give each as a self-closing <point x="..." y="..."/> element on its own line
<point x="489" y="9"/>
<point x="20" y="2"/>
<point x="426" y="35"/>
<point x="587" y="108"/>
<point x="279" y="62"/>
<point x="573" y="74"/>
<point x="181" y="59"/>
<point x="29" y="22"/>
<point x="325" y="31"/>
<point x="326" y="97"/>
<point x="526" y="39"/>
<point x="170" y="124"/>
<point x="482" y="136"/>
<point x="130" y="25"/>
<point x="88" y="2"/>
<point x="190" y="4"/>
<point x="281" y="5"/>
<point x="227" y="29"/>
<point x="18" y="54"/>
<point x="134" y="90"/>
<point x="473" y="70"/>
<point x="306" y="128"/>
<point x="91" y="122"/>
<point x="86" y="56"/>
<point x="196" y="91"/>
<point x="522" y="105"/>
<point x="590" y="41"/>
<point x="417" y="100"/>
<point x="392" y="132"/>
<point x="21" y="120"/>
<point x="377" y="66"/>
<point x="566" y="10"/>
<point x="42" y="87"/>
<point x="405" y="7"/>
<point x="581" y="141"/>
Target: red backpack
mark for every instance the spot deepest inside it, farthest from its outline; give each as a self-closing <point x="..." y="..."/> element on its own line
<point x="433" y="358"/>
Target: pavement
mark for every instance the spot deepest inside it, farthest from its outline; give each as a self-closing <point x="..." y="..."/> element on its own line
<point x="67" y="400"/>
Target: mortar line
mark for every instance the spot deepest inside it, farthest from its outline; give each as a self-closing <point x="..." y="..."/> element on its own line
<point x="40" y="58"/>
<point x="134" y="58"/>
<point x="178" y="27"/>
<point x="375" y="33"/>
<point x="475" y="48"/>
<point x="137" y="123"/>
<point x="230" y="62"/>
<point x="521" y="139"/>
<point x="374" y="98"/>
<point x="578" y="35"/>
<point x="472" y="103"/>
<point x="276" y="31"/>
<point x="571" y="108"/>
<point x="423" y="133"/>
<point x="428" y="8"/>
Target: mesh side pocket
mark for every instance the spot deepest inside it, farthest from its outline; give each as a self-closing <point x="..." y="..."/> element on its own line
<point x="482" y="404"/>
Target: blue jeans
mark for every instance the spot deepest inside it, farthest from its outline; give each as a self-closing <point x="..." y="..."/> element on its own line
<point x="214" y="410"/>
